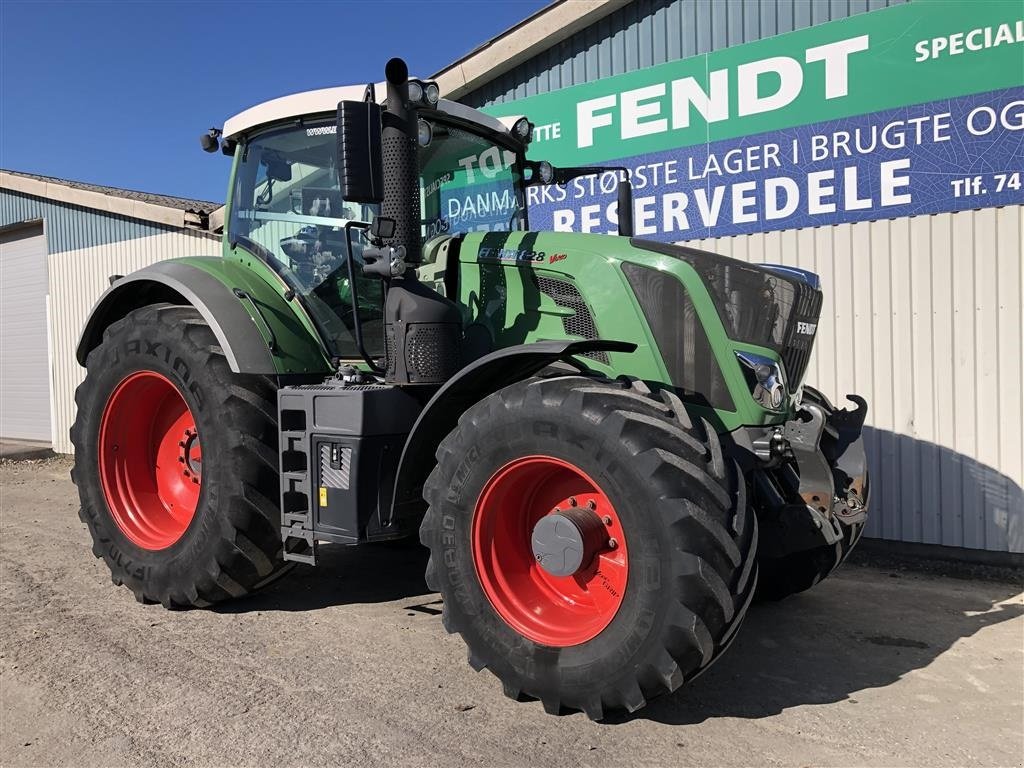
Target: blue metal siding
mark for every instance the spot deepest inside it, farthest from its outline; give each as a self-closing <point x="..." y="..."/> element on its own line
<point x="70" y="227"/>
<point x="650" y="32"/>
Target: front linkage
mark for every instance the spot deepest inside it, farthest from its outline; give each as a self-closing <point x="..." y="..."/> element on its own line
<point x="809" y="478"/>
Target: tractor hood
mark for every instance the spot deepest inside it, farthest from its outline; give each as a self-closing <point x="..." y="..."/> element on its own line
<point x="773" y="306"/>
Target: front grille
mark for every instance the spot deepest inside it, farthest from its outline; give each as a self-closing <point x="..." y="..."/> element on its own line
<point x="566" y="294"/>
<point x="756" y="306"/>
<point x="797" y="346"/>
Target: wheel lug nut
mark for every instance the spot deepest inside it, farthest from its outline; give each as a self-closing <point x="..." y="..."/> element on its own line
<point x="572" y="501"/>
<point x="592" y="505"/>
<point x="607" y="520"/>
<point x="613" y="544"/>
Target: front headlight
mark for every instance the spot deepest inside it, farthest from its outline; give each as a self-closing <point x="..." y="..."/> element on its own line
<point x="764" y="375"/>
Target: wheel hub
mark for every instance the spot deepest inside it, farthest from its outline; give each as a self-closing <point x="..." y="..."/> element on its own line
<point x="190" y="456"/>
<point x="565" y="542"/>
<point x="549" y="551"/>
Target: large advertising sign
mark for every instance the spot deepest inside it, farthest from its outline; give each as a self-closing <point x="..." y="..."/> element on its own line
<point x="910" y="110"/>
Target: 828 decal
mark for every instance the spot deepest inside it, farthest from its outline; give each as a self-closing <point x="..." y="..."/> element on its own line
<point x="511" y="255"/>
<point x="526" y="258"/>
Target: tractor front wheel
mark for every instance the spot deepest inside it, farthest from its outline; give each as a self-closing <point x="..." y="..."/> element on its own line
<point x="591" y="542"/>
<point x="176" y="462"/>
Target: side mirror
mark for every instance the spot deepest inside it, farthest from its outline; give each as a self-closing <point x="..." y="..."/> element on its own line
<point x="360" y="169"/>
<point x="210" y="141"/>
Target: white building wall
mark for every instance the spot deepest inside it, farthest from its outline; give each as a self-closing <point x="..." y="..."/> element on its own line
<point x="77" y="279"/>
<point x="922" y="316"/>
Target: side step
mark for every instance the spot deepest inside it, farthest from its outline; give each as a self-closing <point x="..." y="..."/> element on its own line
<point x="339" y="446"/>
<point x="296" y="507"/>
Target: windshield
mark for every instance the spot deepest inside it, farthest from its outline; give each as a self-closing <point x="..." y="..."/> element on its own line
<point x="287" y="205"/>
<point x="468" y="183"/>
<point x="287" y="209"/>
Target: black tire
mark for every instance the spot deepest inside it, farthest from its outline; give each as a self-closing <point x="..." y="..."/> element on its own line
<point x="799" y="571"/>
<point x="692" y="538"/>
<point x="232" y="546"/>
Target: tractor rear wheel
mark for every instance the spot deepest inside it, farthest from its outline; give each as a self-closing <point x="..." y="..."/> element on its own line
<point x="591" y="542"/>
<point x="176" y="462"/>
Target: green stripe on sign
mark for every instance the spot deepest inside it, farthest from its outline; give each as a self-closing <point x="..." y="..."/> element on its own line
<point x="927" y="50"/>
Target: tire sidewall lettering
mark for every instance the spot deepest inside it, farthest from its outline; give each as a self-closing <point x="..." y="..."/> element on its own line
<point x="173" y="365"/>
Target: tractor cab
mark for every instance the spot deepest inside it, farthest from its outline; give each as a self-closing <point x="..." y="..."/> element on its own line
<point x="287" y="206"/>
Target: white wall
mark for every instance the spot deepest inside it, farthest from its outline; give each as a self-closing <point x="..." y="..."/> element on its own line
<point x="922" y="316"/>
<point x="77" y="279"/>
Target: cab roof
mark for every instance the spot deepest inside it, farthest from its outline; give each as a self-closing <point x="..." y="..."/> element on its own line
<point x="325" y="101"/>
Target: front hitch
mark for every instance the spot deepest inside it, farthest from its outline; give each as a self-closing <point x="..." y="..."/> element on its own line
<point x="810" y="475"/>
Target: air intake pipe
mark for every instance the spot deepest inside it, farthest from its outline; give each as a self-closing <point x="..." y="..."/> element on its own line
<point x="422" y="329"/>
<point x="399" y="151"/>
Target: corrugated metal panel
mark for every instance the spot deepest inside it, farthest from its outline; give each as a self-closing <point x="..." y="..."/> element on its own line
<point x="86" y="247"/>
<point x="650" y="32"/>
<point x="923" y="317"/>
<point x="25" y="370"/>
<point x="71" y="226"/>
<point x="77" y="279"/>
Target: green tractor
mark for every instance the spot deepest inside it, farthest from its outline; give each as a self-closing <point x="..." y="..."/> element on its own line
<point x="602" y="441"/>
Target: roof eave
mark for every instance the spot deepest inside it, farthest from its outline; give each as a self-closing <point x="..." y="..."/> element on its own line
<point x="542" y="30"/>
<point x="97" y="201"/>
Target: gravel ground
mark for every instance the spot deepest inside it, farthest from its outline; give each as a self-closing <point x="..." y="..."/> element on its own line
<point x="348" y="663"/>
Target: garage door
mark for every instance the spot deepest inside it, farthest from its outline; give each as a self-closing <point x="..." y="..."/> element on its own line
<point x="24" y="361"/>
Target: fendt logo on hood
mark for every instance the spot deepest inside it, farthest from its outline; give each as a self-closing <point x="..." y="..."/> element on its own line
<point x="807" y="329"/>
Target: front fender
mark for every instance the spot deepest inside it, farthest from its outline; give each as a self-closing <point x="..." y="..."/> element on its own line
<point x="253" y="323"/>
<point x="470" y="385"/>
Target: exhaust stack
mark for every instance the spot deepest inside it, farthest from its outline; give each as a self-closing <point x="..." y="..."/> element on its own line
<point x="400" y="151"/>
<point x="422" y="329"/>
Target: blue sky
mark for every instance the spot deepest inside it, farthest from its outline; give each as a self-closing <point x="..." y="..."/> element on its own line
<point x="117" y="93"/>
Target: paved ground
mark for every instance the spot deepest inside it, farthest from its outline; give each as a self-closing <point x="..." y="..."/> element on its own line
<point x="347" y="663"/>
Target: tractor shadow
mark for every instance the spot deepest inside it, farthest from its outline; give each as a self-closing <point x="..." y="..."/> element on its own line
<point x="865" y="627"/>
<point x="862" y="628"/>
<point x="371" y="573"/>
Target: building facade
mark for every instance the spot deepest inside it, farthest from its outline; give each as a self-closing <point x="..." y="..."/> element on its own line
<point x="922" y="297"/>
<point x="921" y="263"/>
<point x="60" y="241"/>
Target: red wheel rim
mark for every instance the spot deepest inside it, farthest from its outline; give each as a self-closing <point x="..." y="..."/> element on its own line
<point x="551" y="610"/>
<point x="150" y="460"/>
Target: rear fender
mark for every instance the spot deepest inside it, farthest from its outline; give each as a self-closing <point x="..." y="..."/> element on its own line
<point x="252" y="322"/>
<point x="470" y="385"/>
